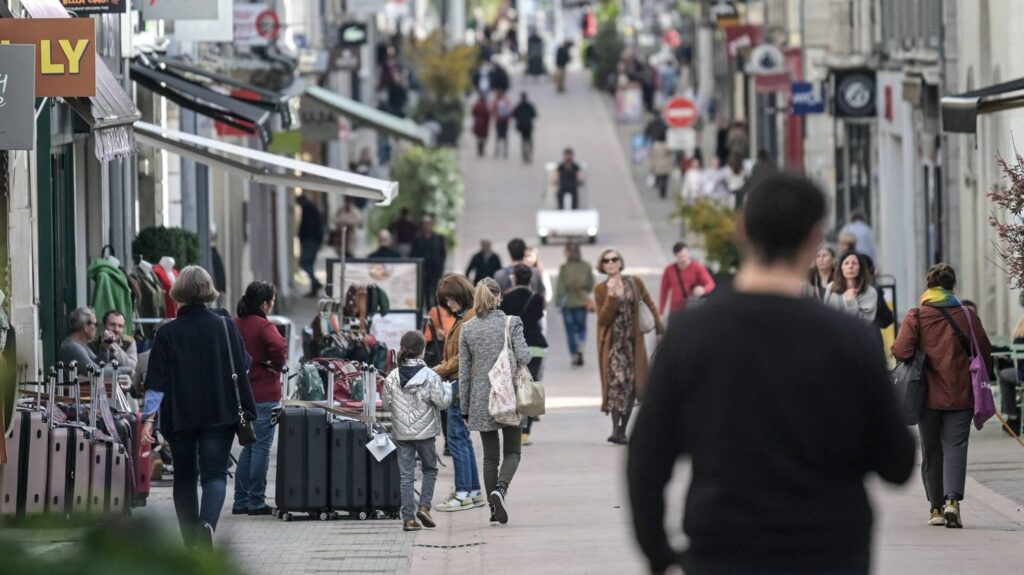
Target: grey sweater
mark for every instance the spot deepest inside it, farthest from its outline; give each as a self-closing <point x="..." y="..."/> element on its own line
<point x="864" y="307"/>
<point x="480" y="344"/>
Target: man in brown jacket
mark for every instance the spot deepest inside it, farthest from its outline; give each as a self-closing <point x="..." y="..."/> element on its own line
<point x="455" y="294"/>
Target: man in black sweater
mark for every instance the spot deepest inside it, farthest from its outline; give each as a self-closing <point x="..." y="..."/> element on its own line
<point x="782" y="406"/>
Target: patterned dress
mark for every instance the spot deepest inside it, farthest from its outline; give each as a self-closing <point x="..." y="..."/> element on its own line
<point x="621" y="373"/>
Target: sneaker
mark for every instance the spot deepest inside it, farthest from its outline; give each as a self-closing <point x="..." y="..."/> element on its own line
<point x="497" y="499"/>
<point x="526" y="439"/>
<point x="456" y="504"/>
<point x="239" y="511"/>
<point x="265" y="510"/>
<point x="579" y="359"/>
<point x="478" y="499"/>
<point x="493" y="520"/>
<point x="447" y="452"/>
<point x="204" y="539"/>
<point x="411" y="525"/>
<point x="936" y="519"/>
<point x="952" y="514"/>
<point x="424" y="516"/>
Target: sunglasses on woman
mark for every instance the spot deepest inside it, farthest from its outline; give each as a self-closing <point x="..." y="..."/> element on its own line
<point x="612" y="260"/>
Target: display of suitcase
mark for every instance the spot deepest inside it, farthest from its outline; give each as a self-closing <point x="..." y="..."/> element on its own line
<point x="302" y="463"/>
<point x="348" y="461"/>
<point x="23" y="477"/>
<point x="385" y="484"/>
<point x="108" y="482"/>
<point x="80" y="440"/>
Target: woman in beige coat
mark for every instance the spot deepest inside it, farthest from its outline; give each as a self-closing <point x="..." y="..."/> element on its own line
<point x="620" y="343"/>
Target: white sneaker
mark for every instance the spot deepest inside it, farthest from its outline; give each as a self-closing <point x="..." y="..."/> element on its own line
<point x="455" y="504"/>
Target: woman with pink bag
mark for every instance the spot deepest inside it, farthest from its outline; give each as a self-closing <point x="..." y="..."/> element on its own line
<point x="955" y="346"/>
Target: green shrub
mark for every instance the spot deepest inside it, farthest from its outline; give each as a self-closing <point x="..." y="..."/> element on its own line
<point x="154" y="243"/>
<point x="608" y="48"/>
<point x="429" y="182"/>
<point x="716" y="223"/>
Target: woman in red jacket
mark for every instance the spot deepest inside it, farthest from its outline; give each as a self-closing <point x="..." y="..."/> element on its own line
<point x="269" y="353"/>
<point x="481" y="123"/>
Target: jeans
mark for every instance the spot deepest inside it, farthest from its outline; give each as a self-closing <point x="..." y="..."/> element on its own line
<point x="575" y="319"/>
<point x="407" y="451"/>
<point x="251" y="474"/>
<point x="944" y="437"/>
<point x="308" y="250"/>
<point x="200" y="455"/>
<point x="575" y="198"/>
<point x="527" y="146"/>
<point x="467" y="478"/>
<point x="661" y="183"/>
<point x="508" y="454"/>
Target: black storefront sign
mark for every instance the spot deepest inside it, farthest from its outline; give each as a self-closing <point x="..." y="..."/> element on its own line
<point x="855" y="94"/>
<point x="87" y="7"/>
<point x="352" y="34"/>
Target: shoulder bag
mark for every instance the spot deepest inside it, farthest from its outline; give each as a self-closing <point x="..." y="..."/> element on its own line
<point x="909" y="379"/>
<point x="501" y="404"/>
<point x="984" y="404"/>
<point x="645" y="317"/>
<point x="244" y="428"/>
<point x="529" y="393"/>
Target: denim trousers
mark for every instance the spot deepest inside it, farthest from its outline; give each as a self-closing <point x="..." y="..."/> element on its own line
<point x="253" y="463"/>
<point x="467" y="478"/>
<point x="575" y="319"/>
<point x="308" y="250"/>
<point x="944" y="438"/>
<point x="501" y="457"/>
<point x="407" y="451"/>
<point x="200" y="456"/>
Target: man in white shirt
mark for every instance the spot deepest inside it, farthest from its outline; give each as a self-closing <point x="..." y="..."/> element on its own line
<point x="858" y="228"/>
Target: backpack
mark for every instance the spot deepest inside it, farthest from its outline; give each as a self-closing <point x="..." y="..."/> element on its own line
<point x="311" y="386"/>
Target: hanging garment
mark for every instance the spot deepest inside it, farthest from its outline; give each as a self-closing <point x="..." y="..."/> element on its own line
<point x="166" y="281"/>
<point x="111" y="292"/>
<point x="151" y="303"/>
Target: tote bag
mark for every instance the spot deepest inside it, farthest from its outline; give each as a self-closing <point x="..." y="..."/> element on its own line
<point x="502" y="402"/>
<point x="984" y="404"/>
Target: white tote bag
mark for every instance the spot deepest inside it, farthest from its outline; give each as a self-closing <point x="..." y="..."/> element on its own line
<point x="502" y="402"/>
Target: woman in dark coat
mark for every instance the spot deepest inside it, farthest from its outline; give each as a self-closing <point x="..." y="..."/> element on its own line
<point x="481" y="123"/>
<point x="190" y="382"/>
<point x="523" y="303"/>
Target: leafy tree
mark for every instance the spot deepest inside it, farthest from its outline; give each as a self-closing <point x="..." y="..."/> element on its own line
<point x="429" y="182"/>
<point x="154" y="243"/>
<point x="716" y="223"/>
<point x="608" y="46"/>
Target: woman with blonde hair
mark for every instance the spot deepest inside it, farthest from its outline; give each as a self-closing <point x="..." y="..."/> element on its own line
<point x="482" y="341"/>
<point x="622" y="351"/>
<point x="198" y="382"/>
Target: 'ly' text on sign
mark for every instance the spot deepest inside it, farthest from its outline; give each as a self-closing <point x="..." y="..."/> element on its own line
<point x="65" y="53"/>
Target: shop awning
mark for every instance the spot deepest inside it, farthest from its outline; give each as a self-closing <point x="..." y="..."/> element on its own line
<point x="111" y="112"/>
<point x="372" y="117"/>
<point x="264" y="167"/>
<point x="270" y="99"/>
<point x="960" y="112"/>
<point x="234" y="112"/>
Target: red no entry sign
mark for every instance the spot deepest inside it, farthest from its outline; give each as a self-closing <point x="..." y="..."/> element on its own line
<point x="680" y="113"/>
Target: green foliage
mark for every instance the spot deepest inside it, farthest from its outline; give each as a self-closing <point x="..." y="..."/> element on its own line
<point x="716" y="223"/>
<point x="445" y="73"/>
<point x="154" y="243"/>
<point x="429" y="182"/>
<point x="608" y="12"/>
<point x="126" y="548"/>
<point x="608" y="46"/>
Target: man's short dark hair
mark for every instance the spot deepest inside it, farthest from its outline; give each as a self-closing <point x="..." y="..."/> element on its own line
<point x="523" y="274"/>
<point x="678" y="247"/>
<point x="567" y="151"/>
<point x="780" y="214"/>
<point x="858" y="216"/>
<point x="516" y="249"/>
<point x="113" y="312"/>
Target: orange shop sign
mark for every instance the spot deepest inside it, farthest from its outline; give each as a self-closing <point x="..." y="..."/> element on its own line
<point x="65" y="53"/>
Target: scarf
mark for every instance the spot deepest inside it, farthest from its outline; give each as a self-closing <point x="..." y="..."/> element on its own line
<point x="939" y="297"/>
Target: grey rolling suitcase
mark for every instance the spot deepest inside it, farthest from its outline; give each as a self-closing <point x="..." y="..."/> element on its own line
<point x="23" y="477"/>
<point x="67" y="488"/>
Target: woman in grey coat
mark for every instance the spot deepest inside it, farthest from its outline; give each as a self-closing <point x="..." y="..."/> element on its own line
<point x="480" y="344"/>
<point x="852" y="291"/>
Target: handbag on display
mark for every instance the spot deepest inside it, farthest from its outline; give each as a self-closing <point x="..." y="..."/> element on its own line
<point x="501" y="404"/>
<point x="244" y="428"/>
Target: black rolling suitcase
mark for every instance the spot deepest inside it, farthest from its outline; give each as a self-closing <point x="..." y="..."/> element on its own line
<point x="349" y="473"/>
<point x="385" y="484"/>
<point x="302" y="455"/>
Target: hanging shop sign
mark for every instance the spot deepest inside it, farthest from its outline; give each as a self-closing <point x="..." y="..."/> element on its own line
<point x="345" y="60"/>
<point x="256" y="25"/>
<point x="855" y="93"/>
<point x="65" y="53"/>
<point x="807" y="98"/>
<point x="175" y="9"/>
<point x="87" y="7"/>
<point x="766" y="59"/>
<point x="739" y="39"/>
<point x="318" y="123"/>
<point x="352" y="34"/>
<point x="17" y="97"/>
<point x="313" y="61"/>
<point x="724" y="13"/>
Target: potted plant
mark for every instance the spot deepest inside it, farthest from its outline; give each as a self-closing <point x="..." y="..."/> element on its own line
<point x="445" y="74"/>
<point x="154" y="243"/>
<point x="430" y="183"/>
<point x="716" y="224"/>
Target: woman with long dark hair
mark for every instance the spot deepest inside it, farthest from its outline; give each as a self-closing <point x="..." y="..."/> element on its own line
<point x="198" y="383"/>
<point x="852" y="291"/>
<point x="269" y="352"/>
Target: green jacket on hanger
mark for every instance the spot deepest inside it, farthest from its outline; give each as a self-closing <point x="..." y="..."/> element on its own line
<point x="111" y="292"/>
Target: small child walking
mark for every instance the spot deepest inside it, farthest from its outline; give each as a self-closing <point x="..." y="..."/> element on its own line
<point x="415" y="395"/>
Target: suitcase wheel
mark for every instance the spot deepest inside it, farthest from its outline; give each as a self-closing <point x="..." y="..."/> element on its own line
<point x="324" y="516"/>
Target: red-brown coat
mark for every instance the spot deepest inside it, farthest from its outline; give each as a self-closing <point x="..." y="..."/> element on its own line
<point x="607" y="308"/>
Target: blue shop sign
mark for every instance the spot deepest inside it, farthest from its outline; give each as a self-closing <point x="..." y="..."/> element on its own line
<point x="807" y="98"/>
